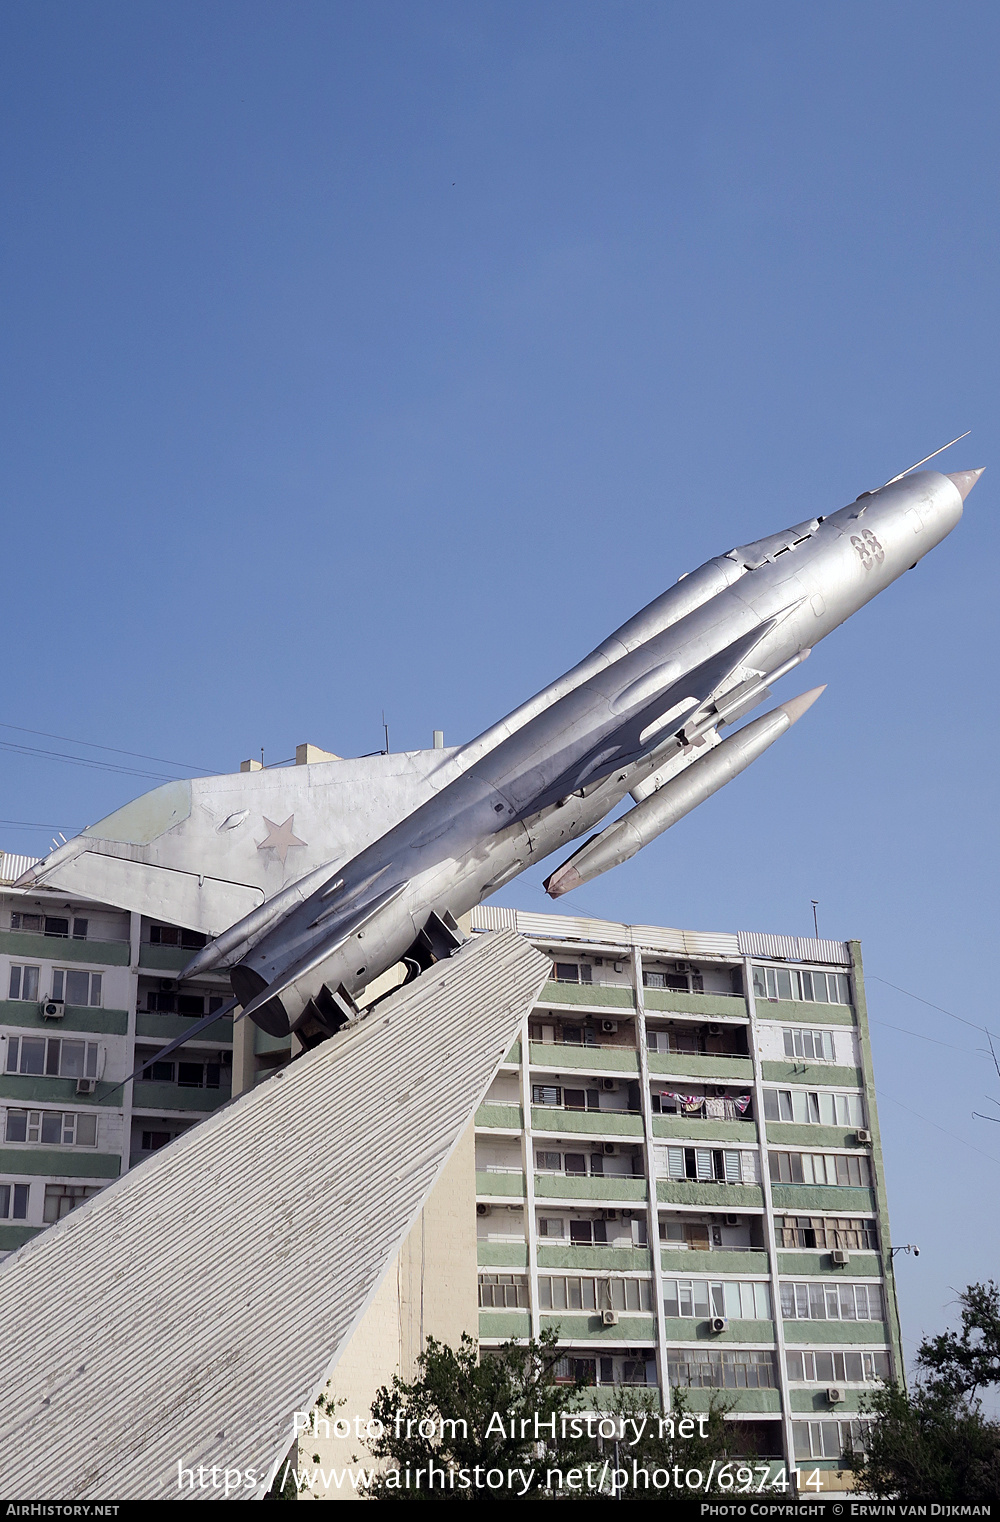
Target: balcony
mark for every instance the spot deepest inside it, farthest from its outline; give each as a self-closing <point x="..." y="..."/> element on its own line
<point x="730" y="1197"/>
<point x="78" y="1017"/>
<point x="722" y="1260"/>
<point x="493" y="1184"/>
<point x="866" y="1265"/>
<point x="611" y="1188"/>
<point x="813" y="1072"/>
<point x="677" y="1002"/>
<point x="504" y="1325"/>
<point x="580" y="1326"/>
<point x="501" y="1254"/>
<point x="171" y="1096"/>
<point x="834" y="1199"/>
<point x="587" y="995"/>
<point x="844" y="1333"/>
<point x="58" y="948"/>
<point x="557" y="1121"/>
<point x="735" y="1068"/>
<point x="691" y="1128"/>
<point x="499" y="1117"/>
<point x="166" y="1027"/>
<point x="563" y="1056"/>
<point x="576" y="1258"/>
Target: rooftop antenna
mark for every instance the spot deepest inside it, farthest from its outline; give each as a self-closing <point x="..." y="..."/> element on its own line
<point x="386" y="729"/>
<point x="815" y="904"/>
<point x="927" y="457"/>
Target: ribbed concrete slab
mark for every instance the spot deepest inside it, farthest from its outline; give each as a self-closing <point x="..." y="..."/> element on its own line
<point x="181" y="1316"/>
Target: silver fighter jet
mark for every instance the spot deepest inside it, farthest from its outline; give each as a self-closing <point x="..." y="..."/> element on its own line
<point x="368" y="864"/>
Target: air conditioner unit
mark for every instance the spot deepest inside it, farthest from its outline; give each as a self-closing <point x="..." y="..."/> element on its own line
<point x="608" y="1149"/>
<point x="627" y="1215"/>
<point x="483" y="1209"/>
<point x="715" y="1030"/>
<point x="53" y="1009"/>
<point x="718" y="1324"/>
<point x="609" y="1026"/>
<point x="610" y="1215"/>
<point x="835" y="1395"/>
<point x="609" y="1318"/>
<point x="608" y="1083"/>
<point x="86" y="1085"/>
<point x="731" y="1220"/>
<point x="619" y="967"/>
<point x="840" y="1257"/>
<point x="863" y="1138"/>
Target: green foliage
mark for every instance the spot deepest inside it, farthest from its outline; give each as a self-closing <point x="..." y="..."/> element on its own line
<point x="456" y="1395"/>
<point x="468" y="1415"/>
<point x="922" y="1449"/>
<point x="960" y="1363"/>
<point x="678" y="1445"/>
<point x="933" y="1443"/>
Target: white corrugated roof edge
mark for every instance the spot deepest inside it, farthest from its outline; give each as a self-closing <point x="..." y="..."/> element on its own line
<point x="182" y="1315"/>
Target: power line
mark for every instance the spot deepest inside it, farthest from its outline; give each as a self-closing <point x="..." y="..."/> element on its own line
<point x="883" y="1095"/>
<point x="137" y="755"/>
<point x="904" y="1032"/>
<point x="99" y="766"/>
<point x="951" y="1016"/>
<point x="32" y="824"/>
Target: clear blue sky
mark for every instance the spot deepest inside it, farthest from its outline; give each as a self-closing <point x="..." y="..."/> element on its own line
<point x="382" y="355"/>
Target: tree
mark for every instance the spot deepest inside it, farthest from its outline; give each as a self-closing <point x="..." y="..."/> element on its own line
<point x="463" y="1414"/>
<point x="501" y="1425"/>
<point x="934" y="1443"/>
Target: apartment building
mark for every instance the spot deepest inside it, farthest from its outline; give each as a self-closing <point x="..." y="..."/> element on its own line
<point x="678" y="1166"/>
<point x="87" y="993"/>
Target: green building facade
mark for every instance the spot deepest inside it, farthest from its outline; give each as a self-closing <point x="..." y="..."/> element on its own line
<point x="679" y="1167"/>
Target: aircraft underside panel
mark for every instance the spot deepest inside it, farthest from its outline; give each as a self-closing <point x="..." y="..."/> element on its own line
<point x="188" y="1310"/>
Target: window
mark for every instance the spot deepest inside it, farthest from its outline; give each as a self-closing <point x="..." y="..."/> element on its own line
<point x="503" y="1291"/>
<point x="689" y="1235"/>
<point x="676" y="980"/>
<point x="188" y="1075"/>
<point x="569" y="1371"/>
<point x="721" y="1369"/>
<point x="60" y="1199"/>
<point x="573" y="972"/>
<point x="820" y="1301"/>
<point x="828" y="1440"/>
<point x="826" y="1231"/>
<point x="820" y="1168"/>
<point x="14" y="1202"/>
<point x="53" y="1056"/>
<point x="569" y="1099"/>
<point x="745" y="1299"/>
<point x="571" y="1292"/>
<point x="163" y="1003"/>
<point x="152" y="1141"/>
<point x="550" y="1226"/>
<point x="30" y="924"/>
<point x="815" y="1108"/>
<point x="52" y="1127"/>
<point x="704" y="1164"/>
<point x="810" y="1046"/>
<point x="48" y="924"/>
<point x="77" y="987"/>
<point x="827" y="1368"/>
<point x="791" y="983"/>
<point x="23" y="983"/>
<point x="172" y="935"/>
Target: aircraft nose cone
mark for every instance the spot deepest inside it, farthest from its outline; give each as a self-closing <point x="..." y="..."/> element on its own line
<point x="965" y="480"/>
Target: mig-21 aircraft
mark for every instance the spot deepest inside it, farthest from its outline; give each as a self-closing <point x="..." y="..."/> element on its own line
<point x="313" y="881"/>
